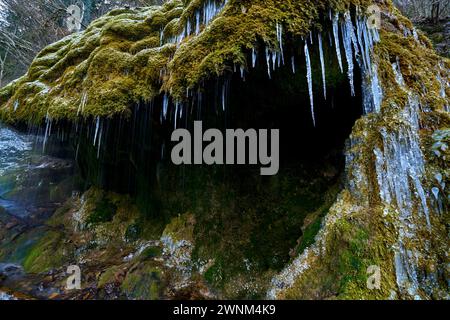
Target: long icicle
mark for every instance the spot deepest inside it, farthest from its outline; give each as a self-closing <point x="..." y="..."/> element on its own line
<point x="336" y="40"/>
<point x="309" y="78"/>
<point x="322" y="62"/>
<point x="268" y="62"/>
<point x="347" y="39"/>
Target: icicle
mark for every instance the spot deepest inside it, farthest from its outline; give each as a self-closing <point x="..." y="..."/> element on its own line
<point x="188" y="27"/>
<point x="16" y="105"/>
<point x="197" y="22"/>
<point x="223" y="96"/>
<point x="211" y="9"/>
<point x="254" y="57"/>
<point x="268" y="62"/>
<point x="48" y="130"/>
<point x="161" y="37"/>
<point x="293" y="64"/>
<point x="165" y="106"/>
<point x="280" y="40"/>
<point x="242" y="73"/>
<point x="377" y="93"/>
<point x="322" y="62"/>
<point x="347" y="40"/>
<point x="309" y="78"/>
<point x="365" y="52"/>
<point x="176" y="115"/>
<point x="351" y="32"/>
<point x="84" y="98"/>
<point x="99" y="142"/>
<point x="398" y="74"/>
<point x="274" y="60"/>
<point x="97" y="125"/>
<point x="336" y="40"/>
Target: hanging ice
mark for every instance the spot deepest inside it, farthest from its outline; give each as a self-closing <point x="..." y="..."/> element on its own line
<point x="197" y="22"/>
<point x="84" y="98"/>
<point x="293" y="64"/>
<point x="224" y="88"/>
<point x="48" y="130"/>
<point x="309" y="79"/>
<point x="335" y="21"/>
<point x="254" y="57"/>
<point x="97" y="125"/>
<point x="280" y="40"/>
<point x="274" y="60"/>
<point x="322" y="63"/>
<point x="268" y="62"/>
<point x="99" y="142"/>
<point x="161" y="37"/>
<point x="377" y="93"/>
<point x="398" y="74"/>
<point x="347" y="40"/>
<point x="351" y="32"/>
<point x="176" y="115"/>
<point x="165" y="105"/>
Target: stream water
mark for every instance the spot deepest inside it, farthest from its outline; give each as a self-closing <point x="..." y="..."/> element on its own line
<point x="32" y="186"/>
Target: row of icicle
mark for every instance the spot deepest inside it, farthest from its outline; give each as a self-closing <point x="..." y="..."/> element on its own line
<point x="358" y="41"/>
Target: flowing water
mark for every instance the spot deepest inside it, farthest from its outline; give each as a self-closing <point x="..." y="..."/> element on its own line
<point x="32" y="186"/>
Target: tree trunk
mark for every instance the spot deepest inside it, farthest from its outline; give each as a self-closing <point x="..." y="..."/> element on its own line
<point x="435" y="12"/>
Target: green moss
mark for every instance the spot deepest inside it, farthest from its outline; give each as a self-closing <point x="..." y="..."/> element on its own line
<point x="151" y="253"/>
<point x="104" y="212"/>
<point x="109" y="276"/>
<point x="47" y="254"/>
<point x="181" y="228"/>
<point x="144" y="283"/>
<point x="118" y="60"/>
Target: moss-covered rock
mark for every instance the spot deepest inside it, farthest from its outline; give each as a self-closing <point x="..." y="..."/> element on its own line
<point x="133" y="55"/>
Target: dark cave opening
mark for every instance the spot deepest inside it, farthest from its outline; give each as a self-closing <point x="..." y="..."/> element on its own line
<point x="240" y="215"/>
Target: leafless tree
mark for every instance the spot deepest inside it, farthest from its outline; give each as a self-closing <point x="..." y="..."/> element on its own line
<point x="419" y="10"/>
<point x="27" y="26"/>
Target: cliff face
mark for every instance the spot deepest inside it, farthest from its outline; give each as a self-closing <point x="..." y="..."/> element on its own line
<point x="393" y="210"/>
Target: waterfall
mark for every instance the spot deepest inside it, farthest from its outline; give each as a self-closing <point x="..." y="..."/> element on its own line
<point x="309" y="78"/>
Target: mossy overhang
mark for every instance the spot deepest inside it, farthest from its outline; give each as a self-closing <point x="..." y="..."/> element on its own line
<point x="129" y="55"/>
